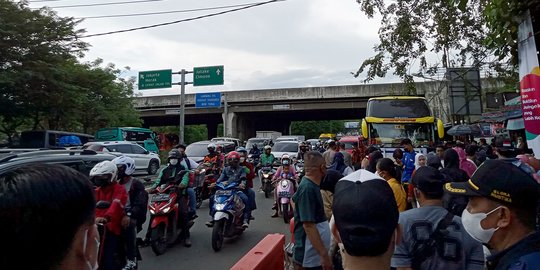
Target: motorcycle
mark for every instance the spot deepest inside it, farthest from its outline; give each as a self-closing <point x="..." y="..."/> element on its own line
<point x="166" y="209"/>
<point x="205" y="177"/>
<point x="267" y="174"/>
<point x="120" y="253"/>
<point x="228" y="214"/>
<point x="285" y="191"/>
<point x="254" y="160"/>
<point x="299" y="168"/>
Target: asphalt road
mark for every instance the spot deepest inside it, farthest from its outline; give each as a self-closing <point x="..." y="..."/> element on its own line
<point x="201" y="255"/>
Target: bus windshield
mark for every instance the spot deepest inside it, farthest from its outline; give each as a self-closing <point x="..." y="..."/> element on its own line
<point x="398" y="108"/>
<point x="391" y="134"/>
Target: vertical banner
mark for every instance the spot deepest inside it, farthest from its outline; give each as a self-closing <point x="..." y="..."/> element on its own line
<point x="529" y="74"/>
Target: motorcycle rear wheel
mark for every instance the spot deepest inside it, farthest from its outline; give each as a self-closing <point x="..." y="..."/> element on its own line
<point x="217" y="235"/>
<point x="159" y="244"/>
<point x="198" y="196"/>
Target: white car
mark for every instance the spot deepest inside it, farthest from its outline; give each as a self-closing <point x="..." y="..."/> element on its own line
<point x="285" y="147"/>
<point x="144" y="159"/>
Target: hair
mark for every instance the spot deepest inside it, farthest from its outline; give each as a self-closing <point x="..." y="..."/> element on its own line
<point x="313" y="159"/>
<point x="371" y="149"/>
<point x="398" y="153"/>
<point x="471" y="150"/>
<point x="373" y="158"/>
<point x="41" y="209"/>
<point x="441" y="146"/>
<point x="387" y="165"/>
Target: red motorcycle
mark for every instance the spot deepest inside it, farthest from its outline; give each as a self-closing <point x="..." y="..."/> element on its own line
<point x="167" y="216"/>
<point x="205" y="176"/>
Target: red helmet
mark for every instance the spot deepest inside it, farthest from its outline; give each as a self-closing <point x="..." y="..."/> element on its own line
<point x="233" y="155"/>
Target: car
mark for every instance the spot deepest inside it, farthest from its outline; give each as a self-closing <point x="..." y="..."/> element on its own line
<point x="198" y="150"/>
<point x="348" y="141"/>
<point x="144" y="159"/>
<point x="236" y="141"/>
<point x="258" y="141"/>
<point x="80" y="160"/>
<point x="285" y="147"/>
<point x="295" y="138"/>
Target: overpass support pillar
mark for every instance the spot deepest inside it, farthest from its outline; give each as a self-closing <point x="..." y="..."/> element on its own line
<point x="212" y="129"/>
<point x="230" y="124"/>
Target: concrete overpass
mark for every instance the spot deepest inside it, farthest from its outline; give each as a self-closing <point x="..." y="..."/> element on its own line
<point x="273" y="109"/>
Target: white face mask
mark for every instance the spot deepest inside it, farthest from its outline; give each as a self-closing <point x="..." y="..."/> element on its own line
<point x="85" y="242"/>
<point x="242" y="159"/>
<point x="173" y="162"/>
<point x="472" y="224"/>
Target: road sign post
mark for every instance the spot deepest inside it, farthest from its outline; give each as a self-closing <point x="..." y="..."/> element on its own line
<point x="208" y="75"/>
<point x="155" y="79"/>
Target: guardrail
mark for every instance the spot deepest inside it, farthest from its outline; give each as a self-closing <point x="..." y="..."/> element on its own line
<point x="267" y="254"/>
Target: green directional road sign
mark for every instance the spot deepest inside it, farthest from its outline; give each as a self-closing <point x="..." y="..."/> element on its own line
<point x="208" y="76"/>
<point x="155" y="79"/>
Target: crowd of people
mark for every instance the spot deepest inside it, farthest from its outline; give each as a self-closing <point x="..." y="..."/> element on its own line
<point x="461" y="206"/>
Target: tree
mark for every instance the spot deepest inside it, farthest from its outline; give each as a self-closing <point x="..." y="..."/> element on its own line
<point x="43" y="84"/>
<point x="459" y="32"/>
<point x="312" y="129"/>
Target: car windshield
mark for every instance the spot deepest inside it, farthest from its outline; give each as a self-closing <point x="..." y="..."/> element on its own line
<point x="197" y="150"/>
<point x="258" y="142"/>
<point x="95" y="147"/>
<point x="348" y="145"/>
<point x="285" y="147"/>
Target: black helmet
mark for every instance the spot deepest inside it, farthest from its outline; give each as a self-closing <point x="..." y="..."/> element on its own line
<point x="174" y="153"/>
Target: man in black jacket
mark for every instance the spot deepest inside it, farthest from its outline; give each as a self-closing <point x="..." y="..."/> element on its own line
<point x="135" y="208"/>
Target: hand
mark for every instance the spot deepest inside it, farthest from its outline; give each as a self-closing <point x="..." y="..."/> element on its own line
<point x="182" y="186"/>
<point x="225" y="183"/>
<point x="101" y="220"/>
<point x="125" y="221"/>
<point x="326" y="263"/>
<point x="212" y="185"/>
<point x="242" y="186"/>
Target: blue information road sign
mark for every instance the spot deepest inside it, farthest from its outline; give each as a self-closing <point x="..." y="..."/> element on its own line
<point x="208" y="100"/>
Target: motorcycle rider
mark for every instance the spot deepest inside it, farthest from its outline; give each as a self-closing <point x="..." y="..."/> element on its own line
<point x="255" y="151"/>
<point x="302" y="149"/>
<point x="190" y="165"/>
<point x="286" y="170"/>
<point x="214" y="158"/>
<point x="176" y="171"/>
<point x="250" y="174"/>
<point x="233" y="172"/>
<point x="135" y="207"/>
<point x="267" y="159"/>
<point x="103" y="175"/>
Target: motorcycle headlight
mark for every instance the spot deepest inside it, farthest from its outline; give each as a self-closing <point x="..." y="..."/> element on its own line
<point x="152" y="212"/>
<point x="166" y="209"/>
<point x="265" y="175"/>
<point x="219" y="206"/>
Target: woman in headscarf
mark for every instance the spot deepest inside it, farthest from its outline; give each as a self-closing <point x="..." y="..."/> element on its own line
<point x="420" y="160"/>
<point x="465" y="164"/>
<point x="339" y="165"/>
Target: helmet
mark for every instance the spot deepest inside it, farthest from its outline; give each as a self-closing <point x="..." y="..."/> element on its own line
<point x="174" y="153"/>
<point x="285" y="159"/>
<point x="127" y="161"/>
<point x="302" y="144"/>
<point x="255" y="146"/>
<point x="103" y="173"/>
<point x="211" y="145"/>
<point x="266" y="147"/>
<point x="233" y="155"/>
<point x="241" y="150"/>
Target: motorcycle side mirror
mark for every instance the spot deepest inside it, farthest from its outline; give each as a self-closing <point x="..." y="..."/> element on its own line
<point x="103" y="205"/>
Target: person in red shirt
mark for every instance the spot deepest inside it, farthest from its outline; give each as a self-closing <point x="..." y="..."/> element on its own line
<point x="103" y="175"/>
<point x="250" y="175"/>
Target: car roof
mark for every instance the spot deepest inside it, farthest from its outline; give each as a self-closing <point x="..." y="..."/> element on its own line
<point x="349" y="139"/>
<point x="110" y="143"/>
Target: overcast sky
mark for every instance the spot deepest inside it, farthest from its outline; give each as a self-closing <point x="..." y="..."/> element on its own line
<point x="294" y="43"/>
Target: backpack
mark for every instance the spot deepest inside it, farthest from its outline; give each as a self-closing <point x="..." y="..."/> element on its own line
<point x="427" y="249"/>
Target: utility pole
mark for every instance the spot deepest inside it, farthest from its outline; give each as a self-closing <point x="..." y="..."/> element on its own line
<point x="183" y="83"/>
<point x="225" y="115"/>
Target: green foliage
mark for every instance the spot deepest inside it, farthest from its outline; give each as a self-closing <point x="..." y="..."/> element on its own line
<point x="195" y="133"/>
<point x="44" y="86"/>
<point x="312" y="129"/>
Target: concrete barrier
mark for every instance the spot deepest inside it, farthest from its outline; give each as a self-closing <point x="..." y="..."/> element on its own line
<point x="267" y="254"/>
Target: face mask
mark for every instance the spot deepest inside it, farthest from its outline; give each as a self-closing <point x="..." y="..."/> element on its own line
<point x="173" y="162"/>
<point x="242" y="159"/>
<point x="101" y="182"/>
<point x="85" y="241"/>
<point x="471" y="223"/>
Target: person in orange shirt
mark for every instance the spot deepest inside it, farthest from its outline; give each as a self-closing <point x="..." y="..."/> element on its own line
<point x="386" y="169"/>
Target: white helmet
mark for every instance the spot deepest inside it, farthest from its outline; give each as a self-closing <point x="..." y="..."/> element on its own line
<point x="211" y="145"/>
<point x="284" y="158"/>
<point x="127" y="161"/>
<point x="266" y="147"/>
<point x="104" y="168"/>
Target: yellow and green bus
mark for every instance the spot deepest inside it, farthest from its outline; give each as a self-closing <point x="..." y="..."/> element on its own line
<point x="392" y="118"/>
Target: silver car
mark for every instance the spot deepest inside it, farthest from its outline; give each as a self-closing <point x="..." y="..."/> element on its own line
<point x="144" y="160"/>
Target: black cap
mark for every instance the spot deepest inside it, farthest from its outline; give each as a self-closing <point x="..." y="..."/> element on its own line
<point x="365" y="213"/>
<point x="501" y="181"/>
<point x="180" y="145"/>
<point x="429" y="180"/>
<point x="406" y="141"/>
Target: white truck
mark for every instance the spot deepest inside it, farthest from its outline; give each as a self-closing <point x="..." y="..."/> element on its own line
<point x="268" y="134"/>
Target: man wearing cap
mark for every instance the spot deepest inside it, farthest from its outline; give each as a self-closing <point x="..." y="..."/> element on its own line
<point x="453" y="247"/>
<point x="365" y="221"/>
<point x="501" y="213"/>
<point x="311" y="229"/>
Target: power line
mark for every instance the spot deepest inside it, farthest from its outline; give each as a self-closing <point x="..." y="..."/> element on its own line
<point x="43" y="1"/>
<point x="105" y="4"/>
<point x="165" y="12"/>
<point x="184" y="20"/>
